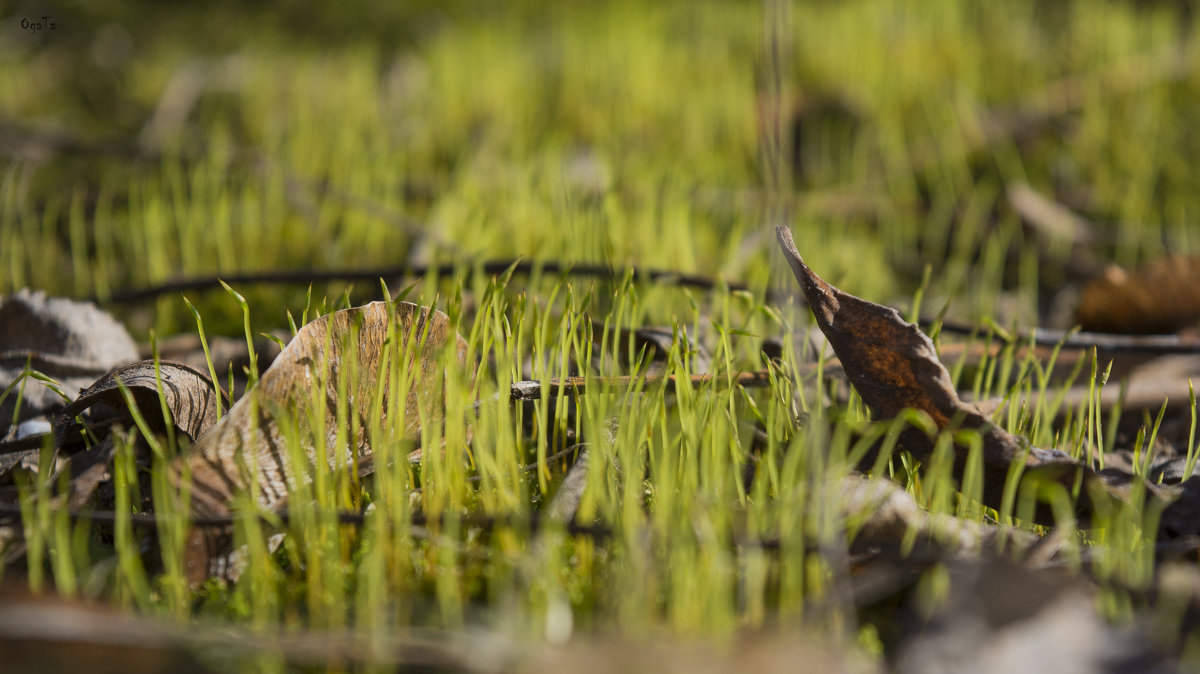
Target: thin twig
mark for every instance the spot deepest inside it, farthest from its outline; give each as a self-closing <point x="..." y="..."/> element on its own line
<point x="303" y="277"/>
<point x="72" y="632"/>
<point x="1078" y="341"/>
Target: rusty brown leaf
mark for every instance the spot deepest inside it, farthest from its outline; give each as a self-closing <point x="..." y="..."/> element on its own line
<point x="350" y="343"/>
<point x="894" y="367"/>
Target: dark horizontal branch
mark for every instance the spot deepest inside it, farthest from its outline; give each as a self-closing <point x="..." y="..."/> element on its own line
<point x="304" y="277"/>
<point x="1078" y="341"/>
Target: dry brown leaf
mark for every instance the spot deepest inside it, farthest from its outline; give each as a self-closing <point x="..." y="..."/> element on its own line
<point x="251" y="435"/>
<point x="894" y="367"/>
<point x="1182" y="517"/>
<point x="1161" y="297"/>
<point x="189" y="395"/>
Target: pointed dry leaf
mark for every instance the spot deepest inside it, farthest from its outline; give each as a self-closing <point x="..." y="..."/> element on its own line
<point x="351" y="345"/>
<point x="1161" y="297"/>
<point x="893" y="366"/>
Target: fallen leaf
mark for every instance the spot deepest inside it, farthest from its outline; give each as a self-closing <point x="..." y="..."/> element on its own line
<point x="894" y="367"/>
<point x="191" y="401"/>
<point x="191" y="405"/>
<point x="1182" y="516"/>
<point x="566" y="500"/>
<point x="250" y="433"/>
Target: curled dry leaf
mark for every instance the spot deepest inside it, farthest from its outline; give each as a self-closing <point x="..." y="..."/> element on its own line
<point x="189" y="395"/>
<point x="250" y="443"/>
<point x="893" y="366"/>
<point x="1161" y="297"/>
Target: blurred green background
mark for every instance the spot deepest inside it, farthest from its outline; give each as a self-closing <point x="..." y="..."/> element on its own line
<point x="144" y="141"/>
